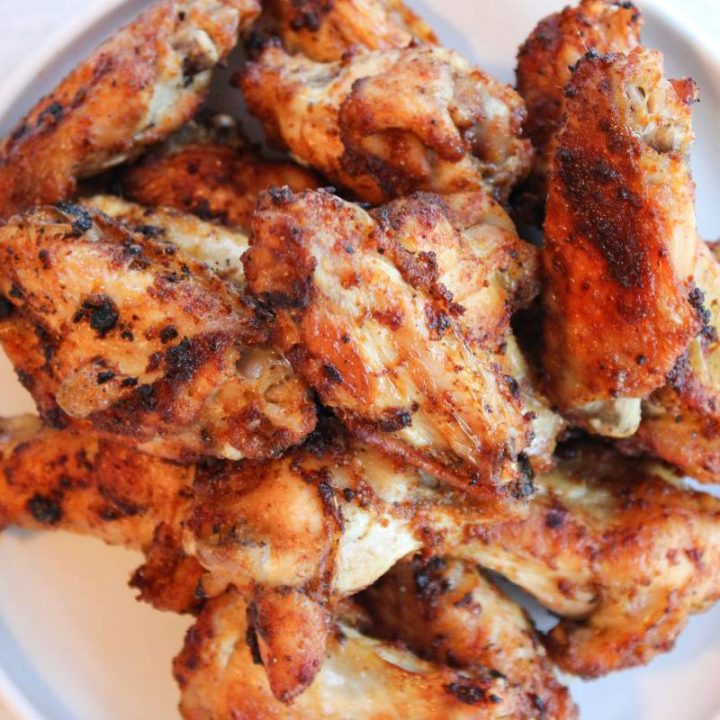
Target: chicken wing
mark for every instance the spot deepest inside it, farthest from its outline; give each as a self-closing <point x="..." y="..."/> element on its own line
<point x="386" y="123"/>
<point x="681" y="421"/>
<point x="361" y="678"/>
<point x="490" y="273"/>
<point x="620" y="239"/>
<point x="369" y="326"/>
<point x="209" y="170"/>
<point x="136" y="89"/>
<point x="92" y="485"/>
<point x="324" y="31"/>
<point x="447" y="612"/>
<point x="616" y="548"/>
<point x="139" y="340"/>
<point x="545" y="63"/>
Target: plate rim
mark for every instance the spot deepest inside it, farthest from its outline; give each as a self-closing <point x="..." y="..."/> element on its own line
<point x="15" y="85"/>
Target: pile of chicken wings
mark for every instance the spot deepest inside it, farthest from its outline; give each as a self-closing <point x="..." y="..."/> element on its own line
<point x="334" y="396"/>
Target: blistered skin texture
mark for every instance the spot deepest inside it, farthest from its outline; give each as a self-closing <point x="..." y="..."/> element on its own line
<point x="386" y="123"/>
<point x="325" y="30"/>
<point x="360" y="678"/>
<point x="141" y="341"/>
<point x="546" y="60"/>
<point x="623" y="554"/>
<point x="619" y="234"/>
<point x="92" y="485"/>
<point x="446" y="611"/>
<point x="134" y="90"/>
<point x="210" y="173"/>
<point x="681" y="421"/>
<point x="371" y="329"/>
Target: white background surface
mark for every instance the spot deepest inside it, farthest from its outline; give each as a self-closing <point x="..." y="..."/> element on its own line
<point x="27" y="26"/>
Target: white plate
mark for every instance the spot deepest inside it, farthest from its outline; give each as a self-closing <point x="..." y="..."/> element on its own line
<point x="74" y="645"/>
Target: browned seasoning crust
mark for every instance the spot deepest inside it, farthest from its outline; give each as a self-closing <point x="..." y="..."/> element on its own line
<point x="388" y="122"/>
<point x="546" y="61"/>
<point x="619" y="234"/>
<point x="136" y="89"/>
<point x="324" y="30"/>
<point x="369" y="326"/>
<point x="141" y="341"/>
<point x="212" y="173"/>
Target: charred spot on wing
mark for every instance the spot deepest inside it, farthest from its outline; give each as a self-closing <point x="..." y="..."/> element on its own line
<point x="81" y="220"/>
<point x="101" y="312"/>
<point x="45" y="510"/>
<point x="394" y="419"/>
<point x="524" y="486"/>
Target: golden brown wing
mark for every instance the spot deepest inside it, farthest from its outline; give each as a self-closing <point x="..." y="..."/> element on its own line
<point x="386" y="123"/>
<point x="324" y="31"/>
<point x="619" y="237"/>
<point x="208" y="171"/>
<point x="446" y="611"/>
<point x="135" y="90"/>
<point x="139" y="340"/>
<point x="546" y="60"/>
<point x="367" y="324"/>
<point x="681" y="421"/>
<point x="361" y="677"/>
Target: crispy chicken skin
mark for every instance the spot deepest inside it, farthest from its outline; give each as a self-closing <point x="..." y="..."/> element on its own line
<point x="618" y="550"/>
<point x="620" y="236"/>
<point x="546" y="60"/>
<point x="136" y="89"/>
<point x="681" y="421"/>
<point x="324" y="31"/>
<point x="209" y="170"/>
<point x="446" y="611"/>
<point x="386" y="123"/>
<point x="361" y="678"/>
<point x="369" y="326"/>
<point x="139" y="340"/>
<point x="93" y="485"/>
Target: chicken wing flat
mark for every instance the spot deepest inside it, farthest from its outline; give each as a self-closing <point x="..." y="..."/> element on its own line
<point x="209" y="171"/>
<point x="546" y="60"/>
<point x="324" y="31"/>
<point x="361" y="678"/>
<point x="135" y="90"/>
<point x="139" y="340"/>
<point x="369" y="326"/>
<point x="93" y="485"/>
<point x="620" y="237"/>
<point x="386" y="123"/>
<point x="681" y="421"/>
<point x="446" y="611"/>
